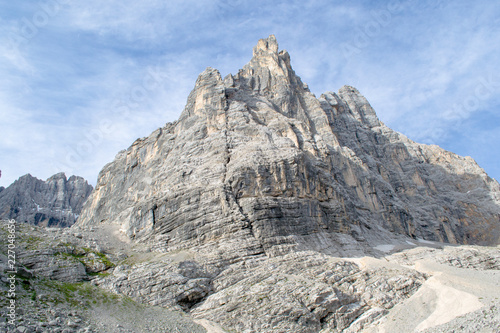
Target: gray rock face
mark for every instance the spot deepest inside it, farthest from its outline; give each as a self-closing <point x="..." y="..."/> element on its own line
<point x="305" y="292"/>
<point x="55" y="263"/>
<point x="51" y="253"/>
<point x="297" y="292"/>
<point x="463" y="257"/>
<point x="55" y="202"/>
<point x="248" y="201"/>
<point x="430" y="289"/>
<point x="257" y="164"/>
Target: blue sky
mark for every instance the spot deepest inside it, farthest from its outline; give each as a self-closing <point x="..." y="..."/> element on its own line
<point x="81" y="80"/>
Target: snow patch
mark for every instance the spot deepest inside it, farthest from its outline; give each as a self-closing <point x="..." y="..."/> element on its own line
<point x="384" y="247"/>
<point x="424" y="241"/>
<point x="37" y="205"/>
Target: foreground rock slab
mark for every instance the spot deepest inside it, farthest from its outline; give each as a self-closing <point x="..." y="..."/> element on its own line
<point x="53" y="296"/>
<point x="462" y="294"/>
<point x="425" y="287"/>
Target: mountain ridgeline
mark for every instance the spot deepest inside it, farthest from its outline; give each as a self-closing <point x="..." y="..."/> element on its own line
<point x="257" y="164"/>
<point x="55" y="202"/>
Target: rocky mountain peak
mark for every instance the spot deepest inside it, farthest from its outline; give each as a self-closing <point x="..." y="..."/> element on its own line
<point x="257" y="164"/>
<point x="350" y="100"/>
<point x="58" y="176"/>
<point x="25" y="178"/>
<point x="263" y="199"/>
<point x="268" y="49"/>
<point x="206" y="103"/>
<point x="266" y="53"/>
<point x="270" y="73"/>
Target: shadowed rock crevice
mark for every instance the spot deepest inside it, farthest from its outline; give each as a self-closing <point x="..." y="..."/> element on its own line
<point x="404" y="176"/>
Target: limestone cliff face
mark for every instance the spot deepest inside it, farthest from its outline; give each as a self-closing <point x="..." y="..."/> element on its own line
<point x="257" y="164"/>
<point x="53" y="203"/>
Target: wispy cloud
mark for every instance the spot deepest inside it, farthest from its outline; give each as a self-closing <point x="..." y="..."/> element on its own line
<point x="85" y="65"/>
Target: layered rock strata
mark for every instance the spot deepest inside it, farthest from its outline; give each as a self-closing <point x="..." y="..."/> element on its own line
<point x="257" y="164"/>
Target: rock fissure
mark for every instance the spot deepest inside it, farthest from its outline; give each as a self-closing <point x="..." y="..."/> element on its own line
<point x="229" y="190"/>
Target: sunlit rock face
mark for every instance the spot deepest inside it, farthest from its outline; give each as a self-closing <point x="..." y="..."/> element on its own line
<point x="257" y="164"/>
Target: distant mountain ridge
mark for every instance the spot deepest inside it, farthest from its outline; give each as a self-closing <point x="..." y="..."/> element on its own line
<point x="55" y="202"/>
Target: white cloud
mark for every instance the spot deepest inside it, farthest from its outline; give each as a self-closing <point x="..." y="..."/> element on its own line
<point x="154" y="21"/>
<point x="423" y="60"/>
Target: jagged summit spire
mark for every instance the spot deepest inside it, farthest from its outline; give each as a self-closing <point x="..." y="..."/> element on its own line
<point x="266" y="53"/>
<point x="269" y="71"/>
<point x="266" y="45"/>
